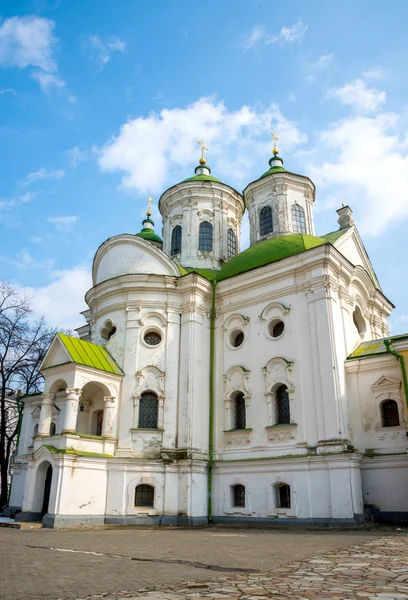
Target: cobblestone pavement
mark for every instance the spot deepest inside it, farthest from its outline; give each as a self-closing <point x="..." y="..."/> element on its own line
<point x="52" y="564"/>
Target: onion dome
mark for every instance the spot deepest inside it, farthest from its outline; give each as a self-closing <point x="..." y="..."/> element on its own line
<point x="276" y="162"/>
<point x="147" y="232"/>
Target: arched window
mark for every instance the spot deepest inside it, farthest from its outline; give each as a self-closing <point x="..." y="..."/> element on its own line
<point x="35" y="431"/>
<point x="205" y="238"/>
<point x="148" y="411"/>
<point x="53" y="428"/>
<point x="238" y="495"/>
<point x="239" y="411"/>
<point x="176" y="240"/>
<point x="298" y="219"/>
<point x="232" y="243"/>
<point x="282" y="495"/>
<point x="144" y="496"/>
<point x="389" y="414"/>
<point x="265" y="220"/>
<point x="282" y="406"/>
<point x="359" y="321"/>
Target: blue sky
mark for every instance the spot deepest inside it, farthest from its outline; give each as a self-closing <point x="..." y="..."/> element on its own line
<point x="101" y="104"/>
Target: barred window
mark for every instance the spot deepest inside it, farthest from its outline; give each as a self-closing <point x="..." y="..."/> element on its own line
<point x="265" y="220"/>
<point x="282" y="495"/>
<point x="148" y="411"/>
<point x="282" y="406"/>
<point x="232" y="243"/>
<point x="298" y="219"/>
<point x="238" y="495"/>
<point x="144" y="495"/>
<point x="176" y="235"/>
<point x="205" y="239"/>
<point x="239" y="411"/>
<point x="389" y="414"/>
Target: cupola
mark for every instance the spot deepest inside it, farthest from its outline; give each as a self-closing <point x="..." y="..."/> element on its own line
<point x="201" y="219"/>
<point x="279" y="202"/>
<point x="147" y="232"/>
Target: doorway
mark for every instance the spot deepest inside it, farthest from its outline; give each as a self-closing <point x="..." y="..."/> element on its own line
<point x="47" y="490"/>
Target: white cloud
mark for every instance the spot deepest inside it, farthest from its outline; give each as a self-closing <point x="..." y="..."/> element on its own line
<point x="63" y="223"/>
<point x="162" y="148"/>
<point x="77" y="156"/>
<point x="366" y="158"/>
<point x="324" y="62"/>
<point x="42" y="174"/>
<point x="258" y="35"/>
<point x="27" y="41"/>
<point x="25" y="261"/>
<point x="101" y="52"/>
<point x="6" y="205"/>
<point x="7" y="91"/>
<point x="359" y="96"/>
<point x="61" y="309"/>
<point x="48" y="81"/>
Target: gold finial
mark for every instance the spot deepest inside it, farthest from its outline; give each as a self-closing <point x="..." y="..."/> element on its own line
<point x="150" y="201"/>
<point x="275" y="138"/>
<point x="202" y="159"/>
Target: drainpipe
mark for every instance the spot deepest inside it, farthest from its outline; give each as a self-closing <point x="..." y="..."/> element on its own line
<point x="211" y="413"/>
<point x="400" y="358"/>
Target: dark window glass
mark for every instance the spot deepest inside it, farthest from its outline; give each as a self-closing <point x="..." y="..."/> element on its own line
<point x="176" y="240"/>
<point x="239" y="412"/>
<point x="232" y="244"/>
<point x="144" y="495"/>
<point x="282" y="406"/>
<point x="205" y="239"/>
<point x="238" y="339"/>
<point x="278" y="328"/>
<point x="238" y="495"/>
<point x="52" y="428"/>
<point x="390" y="416"/>
<point x="282" y="492"/>
<point x="148" y="411"/>
<point x="298" y="219"/>
<point x="152" y="338"/>
<point x="265" y="220"/>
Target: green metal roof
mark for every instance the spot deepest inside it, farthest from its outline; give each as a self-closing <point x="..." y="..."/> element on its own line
<point x="335" y="235"/>
<point x="267" y="252"/>
<point x="202" y="178"/>
<point x="89" y="354"/>
<point x="148" y="234"/>
<point x="209" y="274"/>
<point x="273" y="170"/>
<point x="374" y="347"/>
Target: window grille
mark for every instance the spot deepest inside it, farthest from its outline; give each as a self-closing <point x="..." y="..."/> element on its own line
<point x="238" y="495"/>
<point x="152" y="338"/>
<point x="148" y="411"/>
<point x="298" y="219"/>
<point x="144" y="496"/>
<point x="205" y="239"/>
<point x="389" y="413"/>
<point x="265" y="220"/>
<point x="176" y="235"/>
<point x="282" y="495"/>
<point x="240" y="412"/>
<point x="282" y="406"/>
<point x="232" y="243"/>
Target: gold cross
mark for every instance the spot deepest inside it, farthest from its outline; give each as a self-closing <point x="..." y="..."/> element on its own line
<point x="275" y="138"/>
<point x="150" y="201"/>
<point x="202" y="159"/>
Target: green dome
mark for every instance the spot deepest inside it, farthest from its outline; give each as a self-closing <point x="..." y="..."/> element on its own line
<point x="202" y="178"/>
<point x="148" y="234"/>
<point x="277" y="169"/>
<point x="267" y="252"/>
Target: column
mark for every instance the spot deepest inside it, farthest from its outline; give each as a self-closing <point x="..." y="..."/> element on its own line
<point x="71" y="410"/>
<point x="44" y="424"/>
<point x="108" y="417"/>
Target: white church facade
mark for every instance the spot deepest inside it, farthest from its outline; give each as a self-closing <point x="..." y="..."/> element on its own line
<point x="213" y="385"/>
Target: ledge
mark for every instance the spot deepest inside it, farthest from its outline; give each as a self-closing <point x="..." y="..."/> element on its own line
<point x="147" y="429"/>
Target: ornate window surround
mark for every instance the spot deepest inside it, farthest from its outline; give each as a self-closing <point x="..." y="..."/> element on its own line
<point x="278" y="372"/>
<point x="149" y="379"/>
<point x="229" y="509"/>
<point x="388" y="388"/>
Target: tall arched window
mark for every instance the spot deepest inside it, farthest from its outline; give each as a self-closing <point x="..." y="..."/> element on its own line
<point x="205" y="238"/>
<point x="298" y="219"/>
<point x="176" y="235"/>
<point x="238" y="495"/>
<point x="144" y="495"/>
<point x="282" y="495"/>
<point x="265" y="220"/>
<point x="53" y="428"/>
<point x="232" y="243"/>
<point x="282" y="406"/>
<point x="239" y="411"/>
<point x="148" y="411"/>
<point x="389" y="414"/>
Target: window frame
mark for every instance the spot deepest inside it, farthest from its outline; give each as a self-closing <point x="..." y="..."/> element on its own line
<point x="151" y="491"/>
<point x="278" y="487"/>
<point x="265" y="221"/>
<point x="231" y="243"/>
<point x="281" y="411"/>
<point x="176" y="240"/>
<point x="148" y="395"/>
<point x="298" y="219"/>
<point x="206" y="237"/>
<point x="396" y="408"/>
<point x="239" y="414"/>
<point x="238" y="490"/>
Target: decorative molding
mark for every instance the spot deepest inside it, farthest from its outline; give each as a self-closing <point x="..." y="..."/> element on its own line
<point x="238" y="437"/>
<point x="274" y="306"/>
<point x="150" y="378"/>
<point x="236" y="380"/>
<point x="278" y="371"/>
<point x="243" y="320"/>
<point x="153" y="315"/>
<point x="385" y="383"/>
<point x="281" y="433"/>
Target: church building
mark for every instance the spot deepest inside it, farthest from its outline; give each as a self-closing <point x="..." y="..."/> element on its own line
<point x="214" y="385"/>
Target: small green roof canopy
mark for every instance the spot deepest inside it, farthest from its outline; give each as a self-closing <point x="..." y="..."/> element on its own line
<point x="89" y="354"/>
<point x="374" y="347"/>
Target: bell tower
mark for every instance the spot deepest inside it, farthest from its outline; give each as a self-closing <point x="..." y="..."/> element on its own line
<point x="279" y="202"/>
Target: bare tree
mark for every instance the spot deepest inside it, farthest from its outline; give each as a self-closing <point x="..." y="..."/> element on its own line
<point x="23" y="344"/>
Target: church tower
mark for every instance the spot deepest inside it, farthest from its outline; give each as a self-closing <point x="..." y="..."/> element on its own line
<point x="201" y="219"/>
<point x="279" y="202"/>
